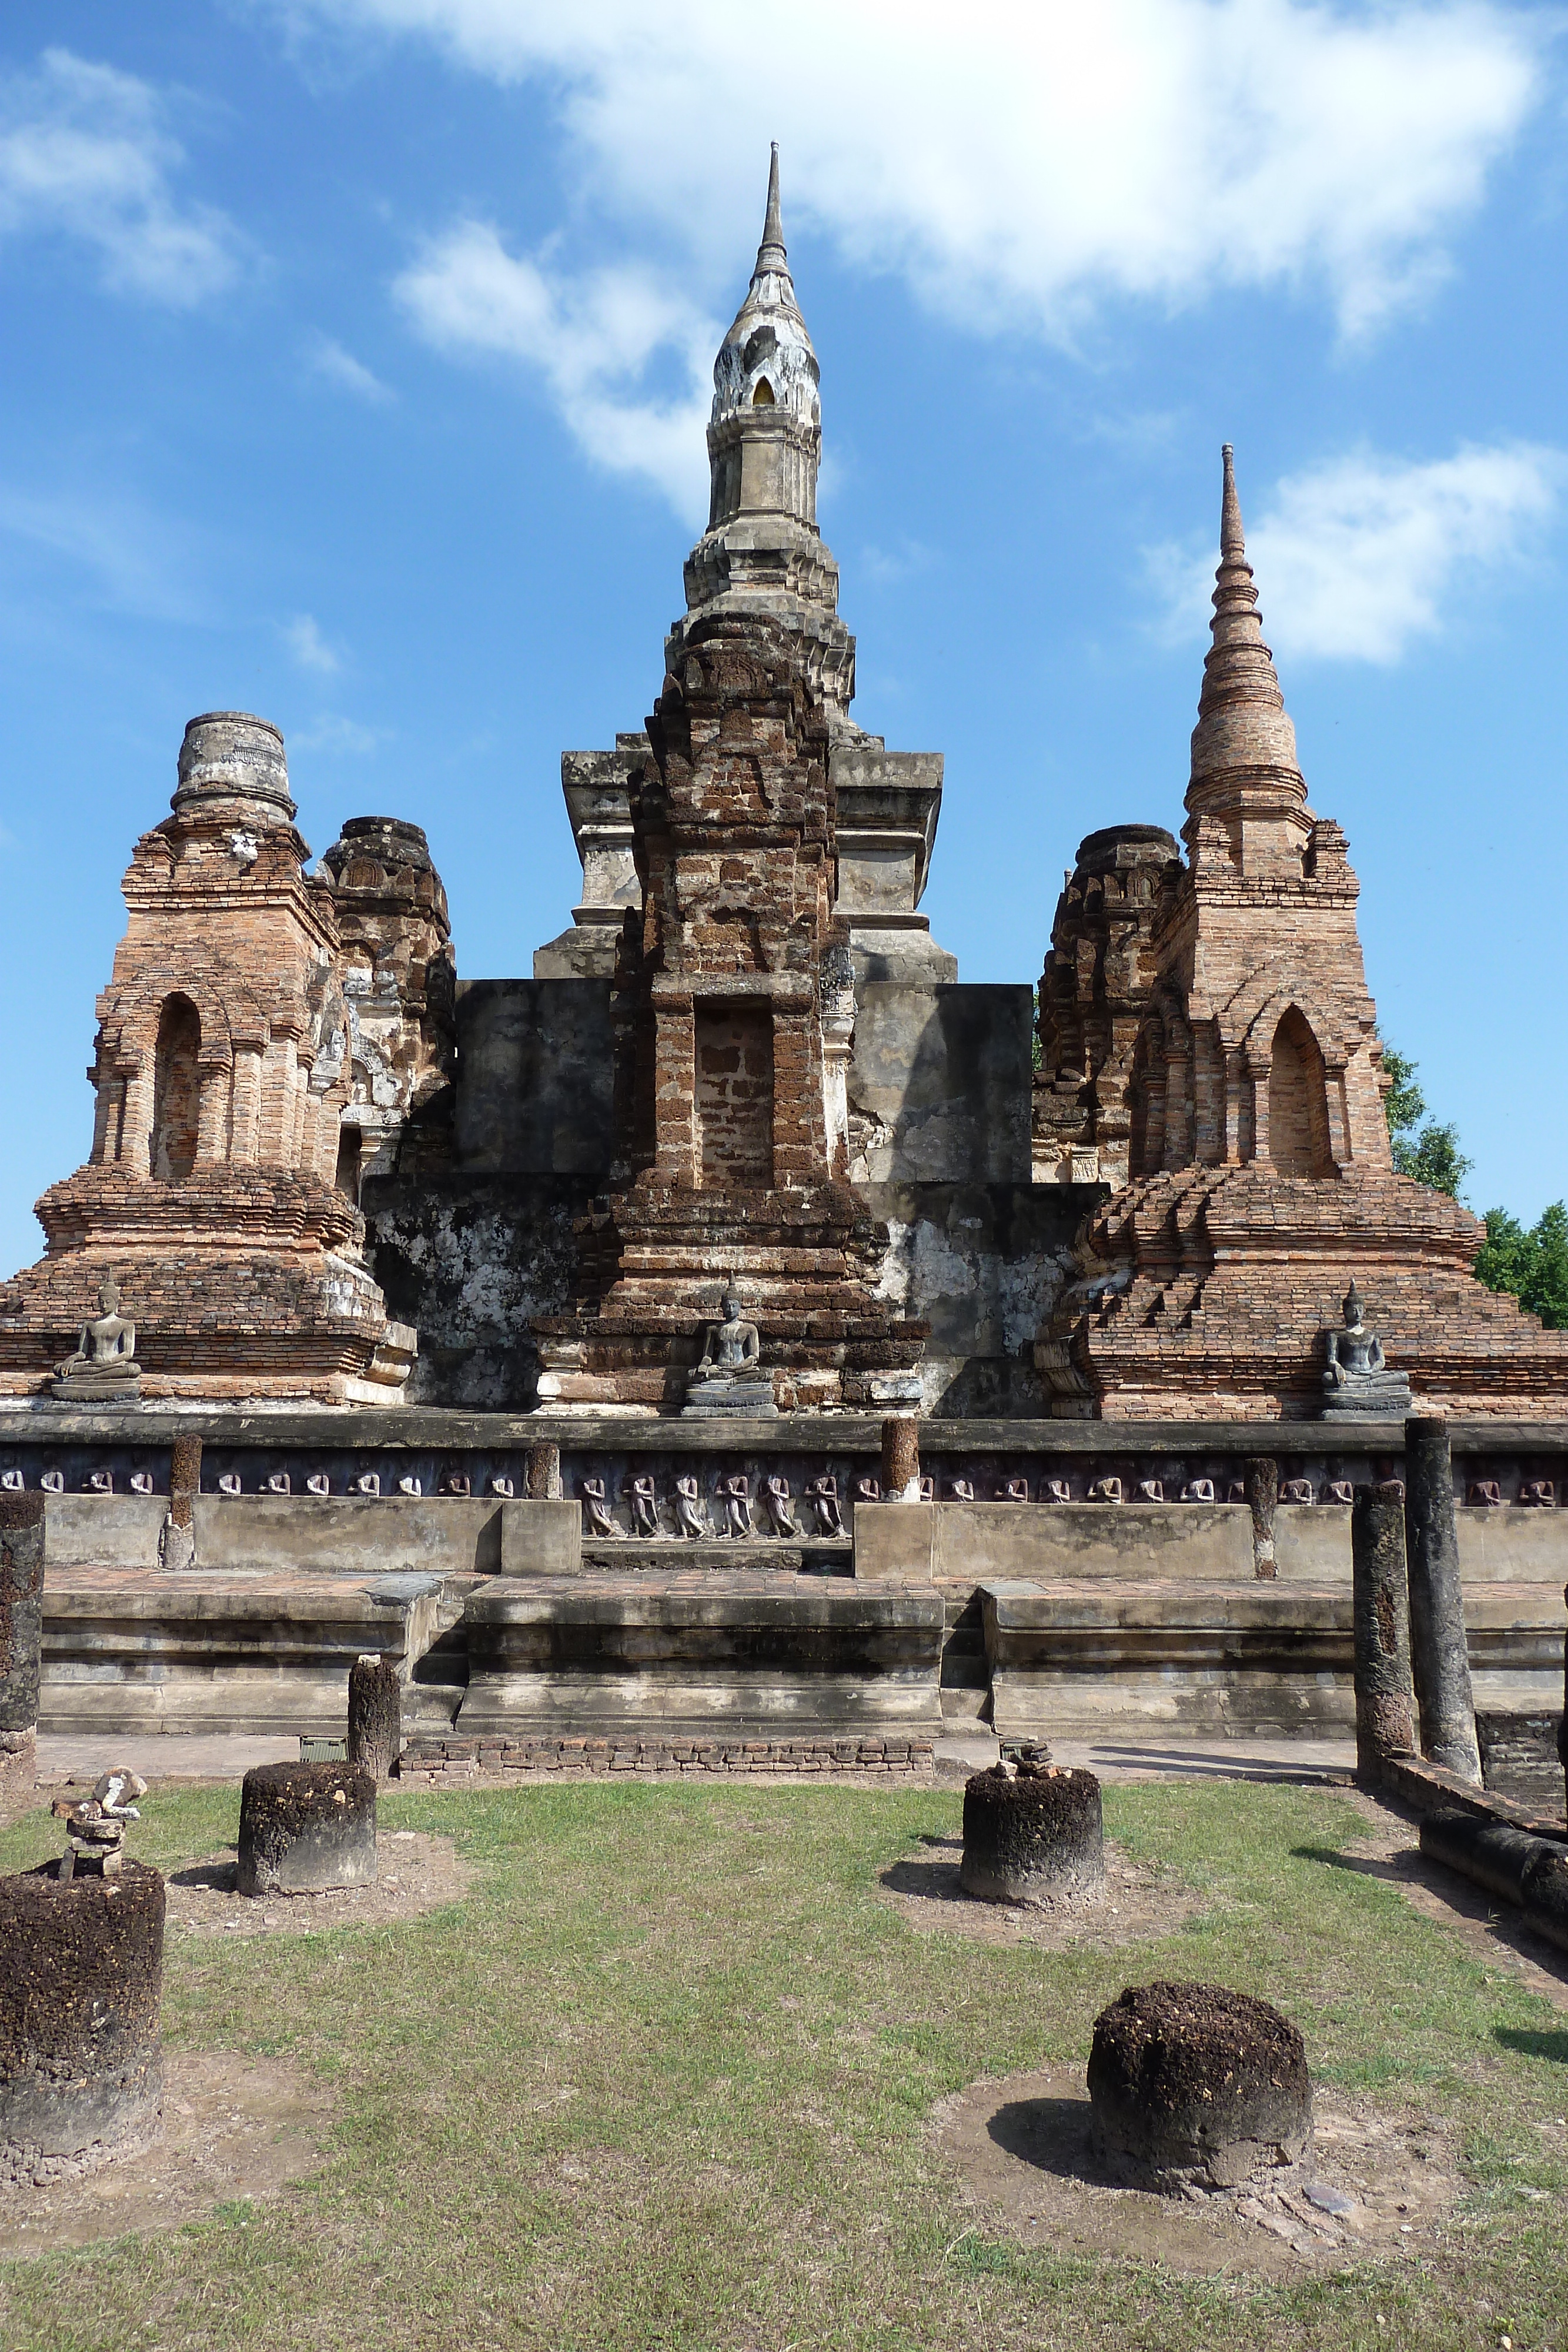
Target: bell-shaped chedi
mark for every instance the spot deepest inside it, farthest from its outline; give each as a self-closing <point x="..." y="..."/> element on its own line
<point x="1222" y="1058"/>
<point x="222" y="1073"/>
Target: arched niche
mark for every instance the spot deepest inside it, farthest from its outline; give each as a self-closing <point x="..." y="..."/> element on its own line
<point x="1298" y="1100"/>
<point x="176" y="1091"/>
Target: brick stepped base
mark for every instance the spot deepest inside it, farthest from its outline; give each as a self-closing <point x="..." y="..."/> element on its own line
<point x="433" y="1760"/>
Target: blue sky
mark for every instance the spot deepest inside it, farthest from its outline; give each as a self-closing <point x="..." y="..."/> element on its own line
<point x="355" y="362"/>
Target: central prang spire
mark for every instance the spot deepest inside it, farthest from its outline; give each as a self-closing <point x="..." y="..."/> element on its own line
<point x="762" y="552"/>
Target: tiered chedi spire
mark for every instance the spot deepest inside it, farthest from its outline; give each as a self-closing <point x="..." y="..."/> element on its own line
<point x="1245" y="774"/>
<point x="762" y="554"/>
<point x="1260" y="1183"/>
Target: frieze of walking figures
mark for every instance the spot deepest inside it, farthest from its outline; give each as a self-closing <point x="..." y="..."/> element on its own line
<point x="736" y="1506"/>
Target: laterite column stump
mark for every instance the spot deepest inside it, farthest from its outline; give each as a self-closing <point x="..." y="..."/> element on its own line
<point x="1033" y="1834"/>
<point x="81" y="1976"/>
<point x="375" y="1715"/>
<point x="305" y="1828"/>
<point x="1190" y="2082"/>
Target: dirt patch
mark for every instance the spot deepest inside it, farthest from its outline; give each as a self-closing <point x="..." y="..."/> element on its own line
<point x="416" y="1874"/>
<point x="1142" y="1901"/>
<point x="1491" y="1930"/>
<point x="232" y="2127"/>
<point x="1382" y="2183"/>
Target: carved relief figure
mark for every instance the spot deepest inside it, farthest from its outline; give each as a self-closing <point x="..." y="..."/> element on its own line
<point x="690" y="1519"/>
<point x="775" y="1503"/>
<point x="824" y="1496"/>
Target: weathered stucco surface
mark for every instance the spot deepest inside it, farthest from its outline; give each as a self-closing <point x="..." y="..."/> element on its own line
<point x="981" y="1263"/>
<point x="535" y="1091"/>
<point x="475" y="1258"/>
<point x="939" y="1084"/>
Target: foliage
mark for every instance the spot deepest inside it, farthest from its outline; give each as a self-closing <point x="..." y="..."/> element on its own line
<point x="1533" y="1263"/>
<point x="1423" y="1147"/>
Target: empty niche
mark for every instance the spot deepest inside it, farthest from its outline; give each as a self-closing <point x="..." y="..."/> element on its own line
<point x="735" y="1096"/>
<point x="1297" y="1101"/>
<point x="176" y="1090"/>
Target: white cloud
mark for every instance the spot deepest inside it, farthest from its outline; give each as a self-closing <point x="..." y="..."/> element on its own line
<point x="1022" y="161"/>
<point x="888" y="565"/>
<point x="1359" y="557"/>
<point x="308" y="647"/>
<point x="329" y="361"/>
<point x="595" y="340"/>
<point x="332" y="733"/>
<point x="138" y="562"/>
<point x="84" y="152"/>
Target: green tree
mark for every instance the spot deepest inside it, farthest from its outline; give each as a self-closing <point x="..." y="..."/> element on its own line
<point x="1422" y="1146"/>
<point x="1531" y="1261"/>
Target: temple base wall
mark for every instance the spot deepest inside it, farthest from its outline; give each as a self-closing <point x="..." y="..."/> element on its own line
<point x="1063" y="1620"/>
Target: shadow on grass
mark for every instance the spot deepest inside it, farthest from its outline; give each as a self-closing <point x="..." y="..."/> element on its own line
<point x="936" y="1881"/>
<point x="1361" y="1864"/>
<point x="1052" y="2135"/>
<point x="1532" y="2045"/>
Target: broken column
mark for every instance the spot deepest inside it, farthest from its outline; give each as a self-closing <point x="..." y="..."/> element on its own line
<point x="1033" y="1834"/>
<point x="1440" y="1654"/>
<point x="177" y="1544"/>
<point x="304" y="1828"/>
<point x="1385" y="1694"/>
<point x="901" y="1458"/>
<point x="1192" y="2082"/>
<point x="1263" y="1495"/>
<point x="21" y="1633"/>
<point x="375" y="1715"/>
<point x="544" y="1473"/>
<point x="82" y="1977"/>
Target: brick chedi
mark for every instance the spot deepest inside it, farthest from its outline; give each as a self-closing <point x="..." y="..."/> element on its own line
<point x="223" y="1073"/>
<point x="733" y="1002"/>
<point x="1094" y="993"/>
<point x="398" y="981"/>
<point x="1259" y="1179"/>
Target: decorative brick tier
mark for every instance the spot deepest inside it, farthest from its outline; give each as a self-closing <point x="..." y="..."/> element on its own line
<point x="1217" y="1283"/>
<point x="804" y="1260"/>
<point x="433" y="1760"/>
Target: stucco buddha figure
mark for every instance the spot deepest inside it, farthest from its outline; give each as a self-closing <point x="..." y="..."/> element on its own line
<point x="104" y="1367"/>
<point x="728" y="1376"/>
<point x="1356" y="1377"/>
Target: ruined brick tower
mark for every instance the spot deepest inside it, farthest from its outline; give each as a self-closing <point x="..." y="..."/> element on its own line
<point x="733" y="1002"/>
<point x="1219" y="1033"/>
<point x="225" y="1068"/>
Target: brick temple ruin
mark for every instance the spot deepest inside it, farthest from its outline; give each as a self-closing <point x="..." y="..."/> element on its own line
<point x="398" y="1242"/>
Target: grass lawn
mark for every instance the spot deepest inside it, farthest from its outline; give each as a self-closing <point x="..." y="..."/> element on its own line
<point x="662" y="2079"/>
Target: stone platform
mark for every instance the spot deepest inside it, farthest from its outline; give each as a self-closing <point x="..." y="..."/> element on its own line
<point x="226" y="1651"/>
<point x="1072" y="1620"/>
<point x="761" y="1653"/>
